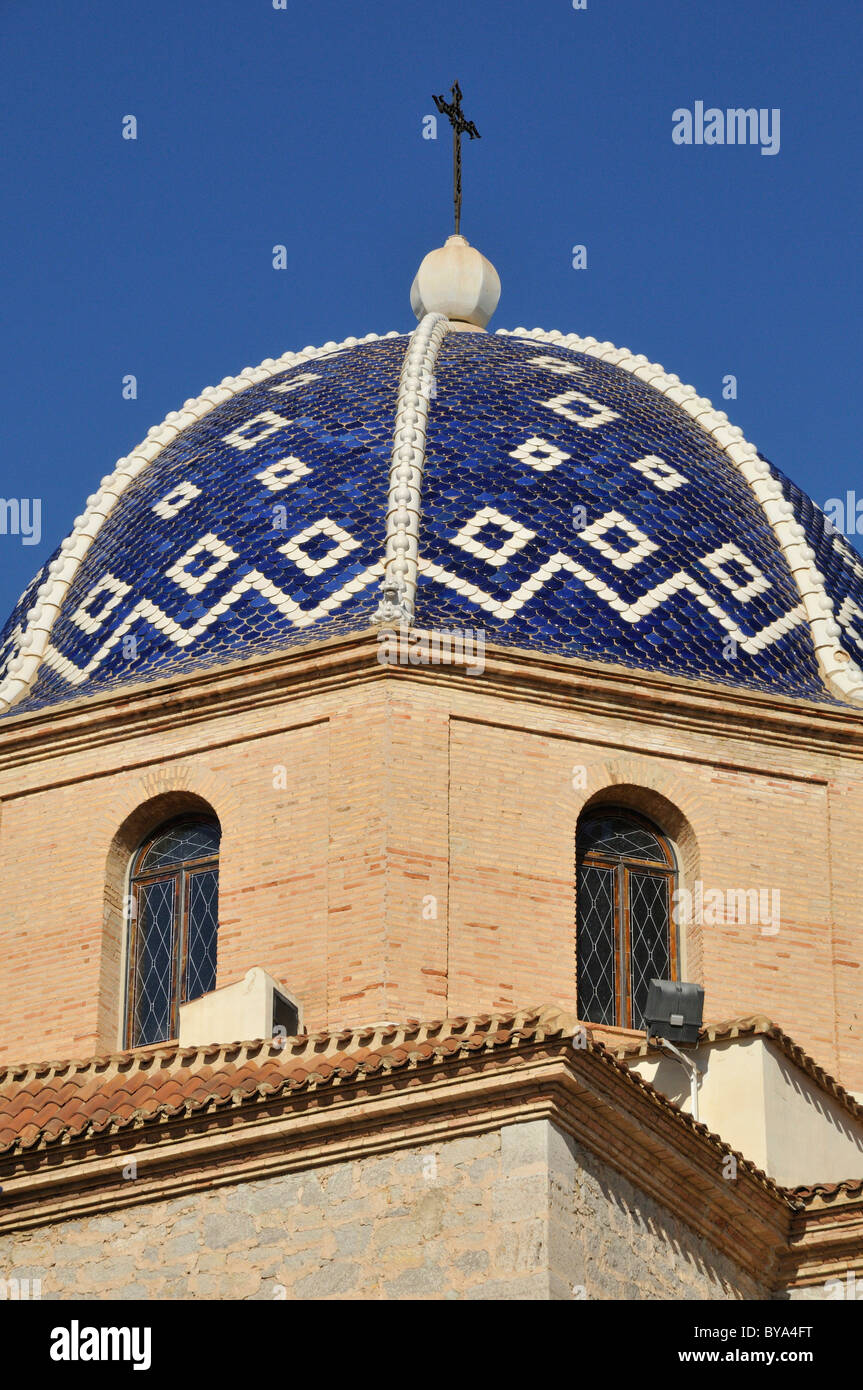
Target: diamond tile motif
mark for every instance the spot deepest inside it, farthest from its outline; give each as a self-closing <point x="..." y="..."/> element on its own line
<point x="295" y="382"/>
<point x="561" y="366"/>
<point x="109" y="592"/>
<point x="282" y="473"/>
<point x="539" y="454"/>
<point x="268" y="422"/>
<point x="666" y="478"/>
<point x="581" y="409"/>
<point x="517" y="536"/>
<point x="219" y="555"/>
<point x="175" y="500"/>
<point x="754" y="583"/>
<point x="615" y="521"/>
<point x="343" y="544"/>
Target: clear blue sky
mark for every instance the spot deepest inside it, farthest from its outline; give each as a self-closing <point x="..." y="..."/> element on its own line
<point x="303" y="126"/>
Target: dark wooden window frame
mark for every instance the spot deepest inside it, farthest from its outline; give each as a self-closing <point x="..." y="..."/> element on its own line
<point x="180" y="873"/>
<point x="622" y="866"/>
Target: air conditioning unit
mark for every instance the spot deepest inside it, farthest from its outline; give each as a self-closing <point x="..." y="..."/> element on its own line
<point x="256" y="1007"/>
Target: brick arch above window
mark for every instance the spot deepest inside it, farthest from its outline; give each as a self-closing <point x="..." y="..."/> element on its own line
<point x="673" y="803"/>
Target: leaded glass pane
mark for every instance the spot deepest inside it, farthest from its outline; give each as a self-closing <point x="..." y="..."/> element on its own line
<point x="181" y="844"/>
<point x="619" y="837"/>
<point x="202" y="926"/>
<point x="154" y="962"/>
<point x="173" y="950"/>
<point x="650" y="956"/>
<point x="595" y="944"/>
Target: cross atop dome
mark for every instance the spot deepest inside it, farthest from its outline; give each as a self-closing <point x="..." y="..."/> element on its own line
<point x="456" y="279"/>
<point x="460" y="126"/>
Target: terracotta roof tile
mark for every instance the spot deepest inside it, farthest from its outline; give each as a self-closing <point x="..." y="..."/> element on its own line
<point x="48" y="1103"/>
<point x="849" y="1189"/>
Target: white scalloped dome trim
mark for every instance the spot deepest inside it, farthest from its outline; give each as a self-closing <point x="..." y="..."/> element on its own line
<point x="407" y="464"/>
<point x="837" y="666"/>
<point x="24" y="665"/>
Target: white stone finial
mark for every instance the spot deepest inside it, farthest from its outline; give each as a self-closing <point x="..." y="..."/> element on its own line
<point x="458" y="281"/>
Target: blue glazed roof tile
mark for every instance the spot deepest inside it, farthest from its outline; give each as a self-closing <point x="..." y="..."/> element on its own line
<point x="262" y="527"/>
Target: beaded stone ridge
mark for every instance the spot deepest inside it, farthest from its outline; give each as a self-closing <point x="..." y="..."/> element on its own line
<point x="566" y="506"/>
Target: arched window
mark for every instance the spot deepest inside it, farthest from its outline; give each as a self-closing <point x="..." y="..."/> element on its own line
<point x="174" y="899"/>
<point x="625" y="936"/>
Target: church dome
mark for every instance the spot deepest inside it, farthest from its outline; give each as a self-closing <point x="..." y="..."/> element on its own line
<point x="564" y="496"/>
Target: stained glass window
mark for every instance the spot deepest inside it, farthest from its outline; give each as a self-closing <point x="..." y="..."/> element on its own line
<point x="624" y="932"/>
<point x="174" y="895"/>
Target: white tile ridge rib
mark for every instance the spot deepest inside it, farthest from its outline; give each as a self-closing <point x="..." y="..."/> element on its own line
<point x="404" y="503"/>
<point x="23" y="668"/>
<point x="840" y="672"/>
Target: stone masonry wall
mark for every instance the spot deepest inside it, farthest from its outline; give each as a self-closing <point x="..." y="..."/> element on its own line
<point x="517" y="1213"/>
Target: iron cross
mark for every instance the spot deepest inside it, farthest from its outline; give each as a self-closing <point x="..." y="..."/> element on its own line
<point x="460" y="127"/>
